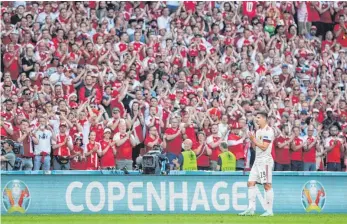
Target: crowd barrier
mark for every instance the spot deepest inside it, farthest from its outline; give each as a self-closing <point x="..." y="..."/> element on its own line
<point x="114" y="192"/>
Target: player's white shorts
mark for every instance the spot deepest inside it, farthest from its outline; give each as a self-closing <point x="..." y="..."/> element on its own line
<point x="261" y="173"/>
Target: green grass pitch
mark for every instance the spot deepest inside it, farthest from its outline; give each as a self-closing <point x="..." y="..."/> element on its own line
<point x="176" y="219"/>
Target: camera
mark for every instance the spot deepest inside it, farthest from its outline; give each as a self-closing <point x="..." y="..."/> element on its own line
<point x="155" y="161"/>
<point x="16" y="150"/>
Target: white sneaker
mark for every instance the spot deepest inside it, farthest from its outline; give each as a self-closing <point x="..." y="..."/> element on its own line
<point x="248" y="212"/>
<point x="267" y="213"/>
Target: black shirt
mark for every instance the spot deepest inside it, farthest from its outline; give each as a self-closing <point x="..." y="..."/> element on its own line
<point x="28" y="62"/>
<point x="15" y="19"/>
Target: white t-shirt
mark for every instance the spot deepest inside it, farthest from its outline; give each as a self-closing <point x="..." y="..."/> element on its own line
<point x="45" y="144"/>
<point x="264" y="134"/>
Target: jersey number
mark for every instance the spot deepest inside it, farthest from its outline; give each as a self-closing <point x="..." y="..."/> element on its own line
<point x="249" y="6"/>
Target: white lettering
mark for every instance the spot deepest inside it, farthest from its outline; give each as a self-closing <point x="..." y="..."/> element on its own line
<point x="132" y="196"/>
<point x="200" y="190"/>
<point x="237" y="196"/>
<point x="112" y="197"/>
<point x="152" y="193"/>
<point x="68" y="197"/>
<point x="100" y="187"/>
<point x="173" y="196"/>
<point x="223" y="197"/>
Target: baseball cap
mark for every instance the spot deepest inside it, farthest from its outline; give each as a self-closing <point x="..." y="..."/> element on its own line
<point x="313" y="28"/>
<point x="329" y="109"/>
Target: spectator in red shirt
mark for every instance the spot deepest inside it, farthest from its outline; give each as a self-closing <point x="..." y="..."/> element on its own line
<point x="108" y="152"/>
<point x="282" y="147"/>
<point x="202" y="151"/>
<point x="77" y="158"/>
<point x="333" y="148"/>
<point x="236" y="145"/>
<point x="125" y="141"/>
<point x="213" y="142"/>
<point x="310" y="149"/>
<point x="174" y="139"/>
<point x="153" y="138"/>
<point x="93" y="152"/>
<point x="61" y="150"/>
<point x="296" y="151"/>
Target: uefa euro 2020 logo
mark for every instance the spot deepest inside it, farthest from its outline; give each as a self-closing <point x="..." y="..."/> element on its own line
<point x="313" y="196"/>
<point x="16" y="197"/>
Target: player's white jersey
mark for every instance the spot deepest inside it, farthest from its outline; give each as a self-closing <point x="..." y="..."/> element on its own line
<point x="265" y="134"/>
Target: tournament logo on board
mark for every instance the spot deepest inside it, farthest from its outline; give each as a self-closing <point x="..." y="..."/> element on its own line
<point x="313" y="196"/>
<point x="16" y="197"/>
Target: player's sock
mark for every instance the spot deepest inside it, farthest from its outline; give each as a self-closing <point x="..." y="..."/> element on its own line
<point x="269" y="197"/>
<point x="251" y="197"/>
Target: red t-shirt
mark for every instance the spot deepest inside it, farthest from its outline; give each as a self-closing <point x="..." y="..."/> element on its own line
<point x="202" y="159"/>
<point x="77" y="163"/>
<point x="124" y="151"/>
<point x="334" y="156"/>
<point x="190" y="132"/>
<point x="175" y="145"/>
<point x="342" y="38"/>
<point x="215" y="151"/>
<point x="99" y="130"/>
<point x="310" y="155"/>
<point x="149" y="140"/>
<point x="63" y="150"/>
<point x="249" y="8"/>
<point x="282" y="155"/>
<point x="93" y="159"/>
<point x="107" y="160"/>
<point x="237" y="150"/>
<point x="297" y="156"/>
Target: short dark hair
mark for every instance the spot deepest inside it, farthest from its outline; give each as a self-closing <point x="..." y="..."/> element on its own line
<point x="25" y="121"/>
<point x="263" y="114"/>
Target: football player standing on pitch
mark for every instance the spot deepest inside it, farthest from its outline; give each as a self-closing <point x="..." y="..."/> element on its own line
<point x="261" y="171"/>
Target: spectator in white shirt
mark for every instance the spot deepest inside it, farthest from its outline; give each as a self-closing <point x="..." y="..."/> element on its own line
<point x="42" y="151"/>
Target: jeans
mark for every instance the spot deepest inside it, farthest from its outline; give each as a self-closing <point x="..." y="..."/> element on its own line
<point x="213" y="165"/>
<point x="27" y="163"/>
<point x="310" y="167"/>
<point x="297" y="165"/>
<point x="240" y="164"/>
<point x="282" y="167"/>
<point x="120" y="164"/>
<point x="45" y="166"/>
<point x="58" y="166"/>
<point x="334" y="166"/>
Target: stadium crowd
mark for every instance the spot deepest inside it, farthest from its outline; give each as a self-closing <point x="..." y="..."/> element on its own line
<point x="93" y="85"/>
